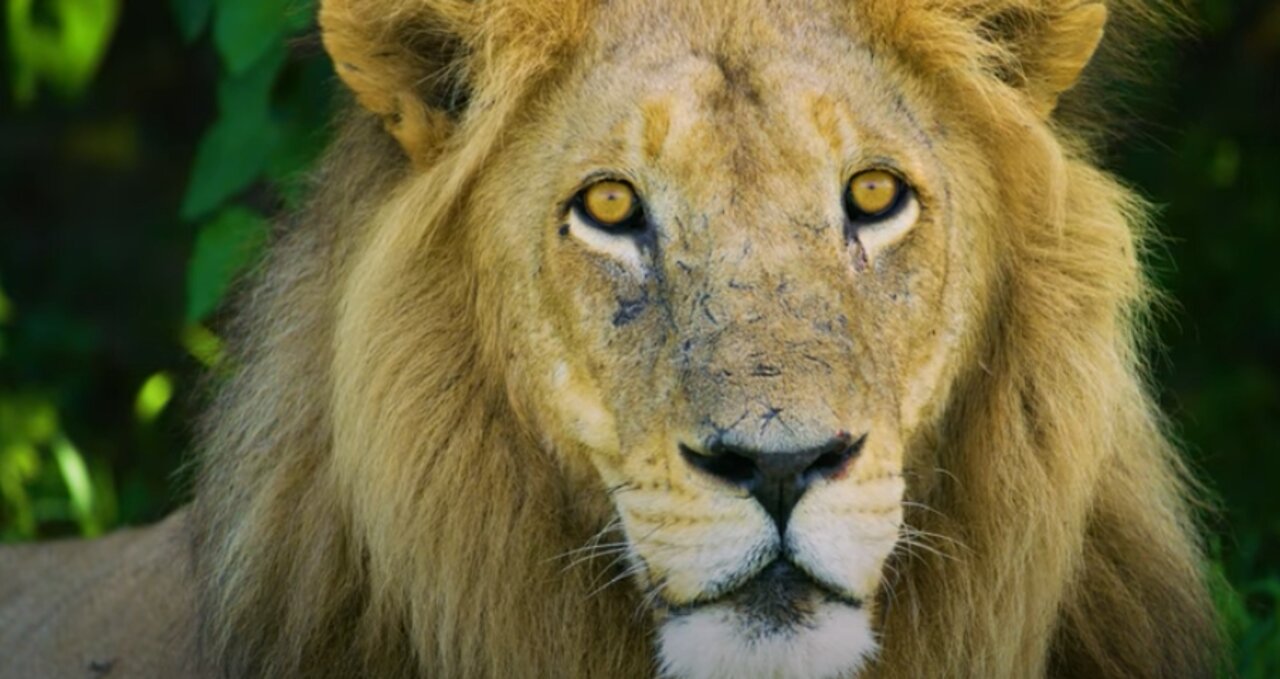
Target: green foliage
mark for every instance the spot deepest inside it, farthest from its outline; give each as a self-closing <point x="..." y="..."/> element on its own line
<point x="65" y="51"/>
<point x="43" y="477"/>
<point x="153" y="397"/>
<point x="1252" y="628"/>
<point x="235" y="151"/>
<point x="246" y="30"/>
<point x="248" y="143"/>
<point x="268" y="128"/>
<point x="224" y="247"/>
<point x="192" y="17"/>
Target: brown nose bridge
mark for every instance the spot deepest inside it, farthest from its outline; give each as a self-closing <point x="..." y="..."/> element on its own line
<point x="763" y="329"/>
<point x="765" y="346"/>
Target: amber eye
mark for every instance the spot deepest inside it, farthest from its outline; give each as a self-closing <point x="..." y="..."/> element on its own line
<point x="874" y="194"/>
<point x="610" y="204"/>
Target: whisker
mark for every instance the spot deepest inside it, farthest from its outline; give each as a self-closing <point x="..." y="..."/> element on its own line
<point x="593" y="542"/>
<point x="609" y="567"/>
<point x="909" y="543"/>
<point x="632" y="570"/>
<point x="588" y="548"/>
<point x="647" y="603"/>
<point x="595" y="555"/>
<point x="919" y="532"/>
<point x="925" y="507"/>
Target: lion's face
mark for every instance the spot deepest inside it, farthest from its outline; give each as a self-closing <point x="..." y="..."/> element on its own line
<point x="737" y="285"/>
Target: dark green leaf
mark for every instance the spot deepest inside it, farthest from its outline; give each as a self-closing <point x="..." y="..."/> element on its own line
<point x="234" y="152"/>
<point x="230" y="157"/>
<point x="303" y="107"/>
<point x="245" y="30"/>
<point x="249" y="92"/>
<point x="192" y="17"/>
<point x="224" y="247"/>
<point x="302" y="15"/>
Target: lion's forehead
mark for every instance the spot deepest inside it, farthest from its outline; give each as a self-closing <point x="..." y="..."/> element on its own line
<point x="777" y="115"/>
<point x="740" y="26"/>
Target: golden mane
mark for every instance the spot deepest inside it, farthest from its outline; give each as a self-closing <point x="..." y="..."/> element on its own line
<point x="1056" y="540"/>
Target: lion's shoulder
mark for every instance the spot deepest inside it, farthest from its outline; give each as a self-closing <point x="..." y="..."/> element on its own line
<point x="120" y="606"/>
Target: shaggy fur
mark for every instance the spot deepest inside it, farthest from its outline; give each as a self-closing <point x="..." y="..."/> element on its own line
<point x="378" y="498"/>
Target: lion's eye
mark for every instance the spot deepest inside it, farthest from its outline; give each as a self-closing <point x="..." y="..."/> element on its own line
<point x="610" y="204"/>
<point x="874" y="195"/>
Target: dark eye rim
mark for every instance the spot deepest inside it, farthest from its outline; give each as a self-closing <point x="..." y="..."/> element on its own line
<point x="857" y="217"/>
<point x="633" y="222"/>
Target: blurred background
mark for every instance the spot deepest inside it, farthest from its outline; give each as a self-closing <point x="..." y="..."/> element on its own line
<point x="144" y="145"/>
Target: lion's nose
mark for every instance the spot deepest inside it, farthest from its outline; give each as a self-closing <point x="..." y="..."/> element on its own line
<point x="777" y="479"/>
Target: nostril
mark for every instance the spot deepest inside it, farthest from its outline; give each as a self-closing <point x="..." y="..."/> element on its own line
<point x="833" y="462"/>
<point x="776" y="479"/>
<point x="728" y="466"/>
<point x="750" y="469"/>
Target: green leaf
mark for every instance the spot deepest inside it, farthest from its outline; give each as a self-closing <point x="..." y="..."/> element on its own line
<point x="205" y="346"/>
<point x="234" y="152"/>
<point x="79" y="485"/>
<point x="230" y="157"/>
<point x="152" y="398"/>
<point x="303" y="104"/>
<point x="302" y="15"/>
<point x="245" y="30"/>
<point x="64" y="52"/>
<point x="192" y="17"/>
<point x="19" y="463"/>
<point x="249" y="92"/>
<point x="40" y="424"/>
<point x="224" y="247"/>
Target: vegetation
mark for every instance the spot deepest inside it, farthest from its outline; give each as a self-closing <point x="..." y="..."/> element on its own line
<point x="145" y="150"/>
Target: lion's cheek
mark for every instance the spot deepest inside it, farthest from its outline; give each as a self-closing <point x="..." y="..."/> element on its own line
<point x="578" y="410"/>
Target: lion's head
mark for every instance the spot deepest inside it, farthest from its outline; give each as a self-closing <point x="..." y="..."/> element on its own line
<point x="728" y="339"/>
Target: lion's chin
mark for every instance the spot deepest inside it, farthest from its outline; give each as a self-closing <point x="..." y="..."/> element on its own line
<point x="780" y="624"/>
<point x="718" y="641"/>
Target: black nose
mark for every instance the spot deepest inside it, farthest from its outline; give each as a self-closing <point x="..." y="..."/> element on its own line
<point x="777" y="479"/>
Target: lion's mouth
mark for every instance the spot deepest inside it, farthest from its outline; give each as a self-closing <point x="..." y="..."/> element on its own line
<point x="779" y="598"/>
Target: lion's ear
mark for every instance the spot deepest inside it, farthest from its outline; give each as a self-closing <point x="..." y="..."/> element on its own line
<point x="405" y="62"/>
<point x="1045" y="53"/>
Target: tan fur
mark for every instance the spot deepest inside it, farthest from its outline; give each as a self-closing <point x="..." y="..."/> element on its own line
<point x="119" y="606"/>
<point x="444" y="391"/>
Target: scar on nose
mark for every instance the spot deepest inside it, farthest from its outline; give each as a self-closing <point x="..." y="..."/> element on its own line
<point x="826" y="118"/>
<point x="769" y="416"/>
<point x="765" y="370"/>
<point x="657" y="125"/>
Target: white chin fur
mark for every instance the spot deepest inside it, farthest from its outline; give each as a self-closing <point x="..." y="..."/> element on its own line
<point x="716" y="643"/>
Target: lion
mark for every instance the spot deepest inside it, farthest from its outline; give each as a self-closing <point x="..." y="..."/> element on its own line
<point x="697" y="340"/>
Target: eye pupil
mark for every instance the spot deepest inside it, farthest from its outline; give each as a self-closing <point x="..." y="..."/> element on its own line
<point x="873" y="193"/>
<point x="609" y="203"/>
